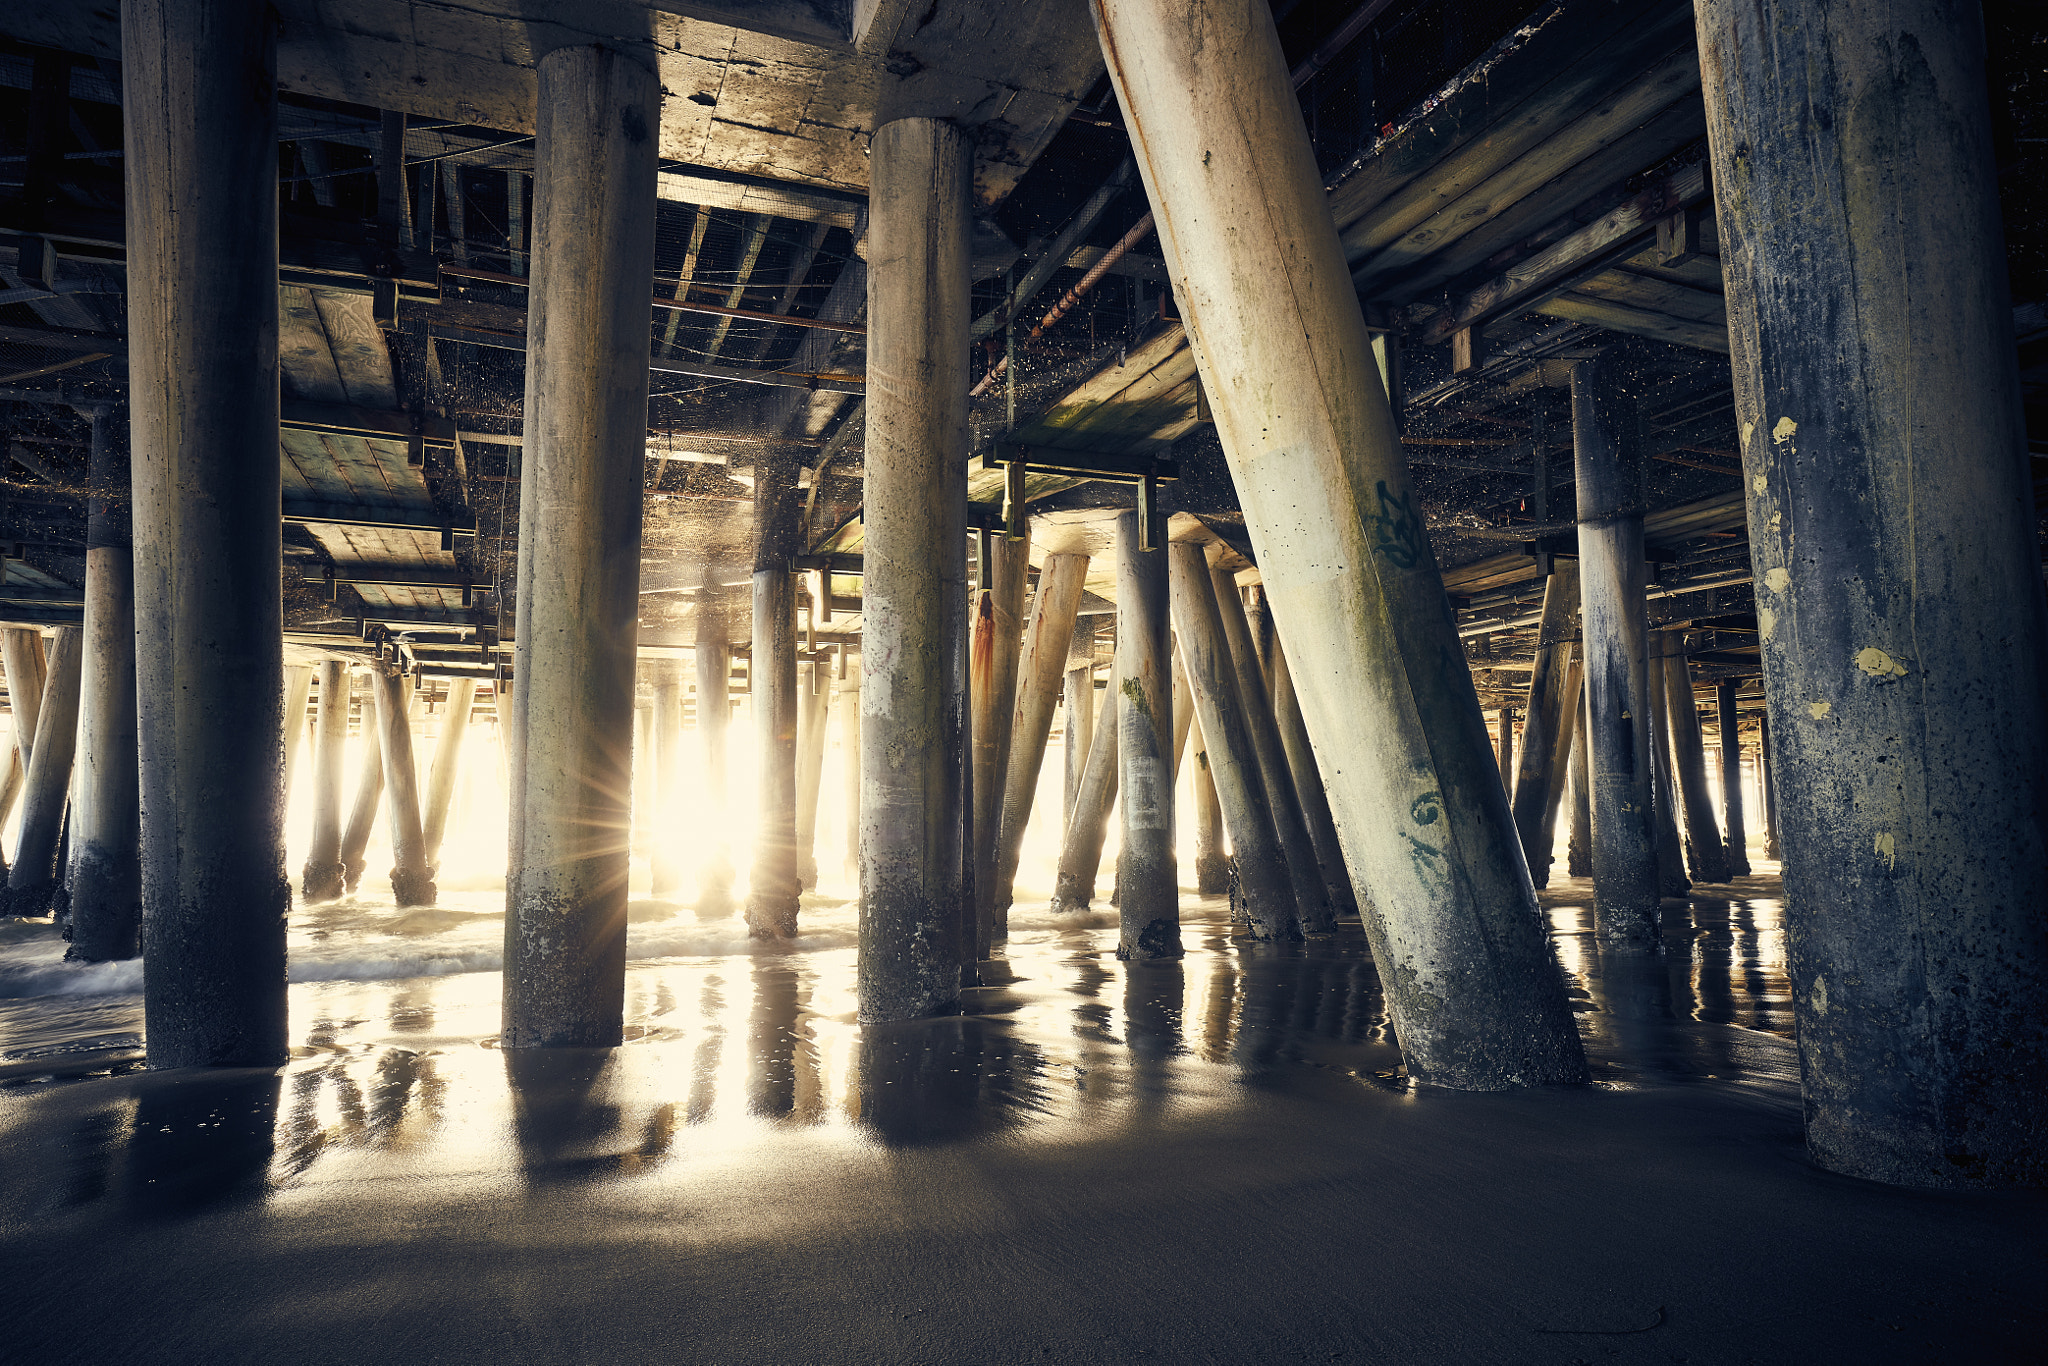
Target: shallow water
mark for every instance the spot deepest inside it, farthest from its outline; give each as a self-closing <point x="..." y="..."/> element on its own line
<point x="1214" y="1159"/>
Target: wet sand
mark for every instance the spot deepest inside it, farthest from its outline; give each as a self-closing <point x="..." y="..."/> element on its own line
<point x="1215" y="1160"/>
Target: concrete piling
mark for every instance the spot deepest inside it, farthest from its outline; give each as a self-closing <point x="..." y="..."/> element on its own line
<point x="912" y="849"/>
<point x="322" y="878"/>
<point x="1607" y="441"/>
<point x="1266" y="898"/>
<point x="1042" y="663"/>
<point x="1288" y="370"/>
<point x="1893" y="539"/>
<point x="598" y="114"/>
<point x="1149" y="885"/>
<point x="106" y="862"/>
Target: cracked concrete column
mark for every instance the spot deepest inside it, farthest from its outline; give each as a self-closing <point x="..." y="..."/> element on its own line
<point x="106" y="862"/>
<point x="913" y="864"/>
<point x="1607" y="440"/>
<point x="1278" y="334"/>
<point x="321" y="880"/>
<point x="199" y="83"/>
<point x="1147" y="877"/>
<point x="1892" y="534"/>
<point x="598" y="116"/>
<point x="1044" y="658"/>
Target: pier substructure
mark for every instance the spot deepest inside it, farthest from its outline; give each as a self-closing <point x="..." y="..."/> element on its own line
<point x="199" y="87"/>
<point x="1285" y="360"/>
<point x="1607" y="441"/>
<point x="1148" y="880"/>
<point x="814" y="714"/>
<point x="913" y="691"/>
<point x="999" y="609"/>
<point x="1546" y="734"/>
<point x="1047" y="643"/>
<point x="714" y="720"/>
<point x="1671" y="879"/>
<point x="446" y="768"/>
<point x="1081" y="842"/>
<point x="298" y="686"/>
<point x="598" y="113"/>
<point x="1708" y="856"/>
<point x="1893" y="538"/>
<point x="27" y="670"/>
<point x="1212" y="864"/>
<point x="1506" y="751"/>
<point x="1078" y="697"/>
<point x="1266" y="902"/>
<point x="106" y="861"/>
<point x="32" y="881"/>
<point x="321" y="879"/>
<point x="665" y="862"/>
<point x="1254" y="691"/>
<point x="412" y="879"/>
<point x="1730" y="717"/>
<point x="362" y="816"/>
<point x="1579" y="844"/>
<point x="775" y="882"/>
<point x="1308" y="784"/>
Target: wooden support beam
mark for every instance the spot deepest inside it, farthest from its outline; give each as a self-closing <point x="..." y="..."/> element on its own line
<point x="1617" y="234"/>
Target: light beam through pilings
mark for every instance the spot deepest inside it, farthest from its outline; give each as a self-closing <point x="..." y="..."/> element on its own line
<point x="1286" y="362"/>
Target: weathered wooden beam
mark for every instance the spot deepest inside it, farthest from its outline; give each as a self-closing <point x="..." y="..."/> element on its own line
<point x="306" y="511"/>
<point x="1615" y="235"/>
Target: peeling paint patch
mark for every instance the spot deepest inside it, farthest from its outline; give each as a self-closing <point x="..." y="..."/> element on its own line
<point x="1886" y="850"/>
<point x="1819" y="709"/>
<point x="1778" y="580"/>
<point x="1761" y="485"/>
<point x="1784" y="431"/>
<point x="1749" y="430"/>
<point x="1819" y="999"/>
<point x="1878" y="664"/>
<point x="1766" y="622"/>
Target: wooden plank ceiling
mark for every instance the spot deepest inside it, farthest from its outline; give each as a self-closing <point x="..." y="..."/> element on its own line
<point x="1560" y="127"/>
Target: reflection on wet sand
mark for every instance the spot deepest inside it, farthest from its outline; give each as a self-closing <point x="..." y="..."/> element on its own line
<point x="1093" y="1161"/>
